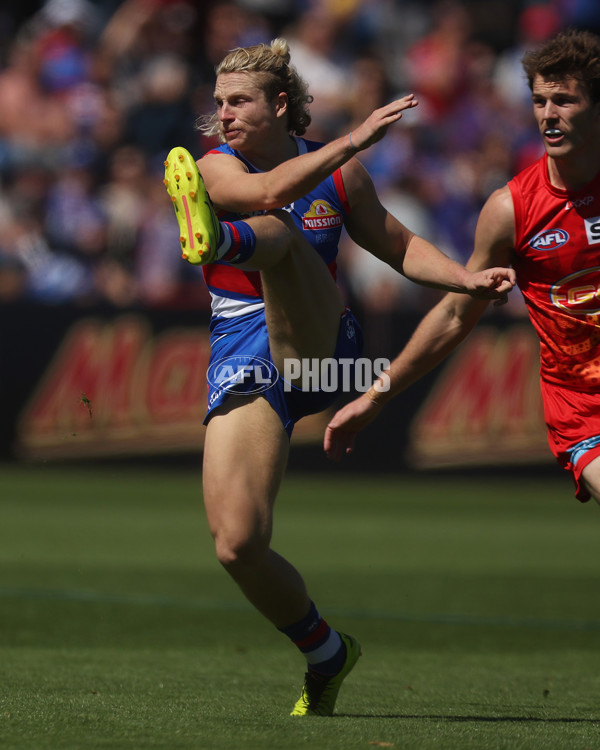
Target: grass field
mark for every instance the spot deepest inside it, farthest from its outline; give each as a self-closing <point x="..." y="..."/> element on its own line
<point x="476" y="602"/>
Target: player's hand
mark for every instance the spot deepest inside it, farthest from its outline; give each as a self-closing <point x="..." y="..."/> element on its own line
<point x="375" y="126"/>
<point x="343" y="428"/>
<point x="493" y="283"/>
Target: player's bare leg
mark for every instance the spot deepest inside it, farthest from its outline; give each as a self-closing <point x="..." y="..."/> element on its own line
<point x="303" y="305"/>
<point x="245" y="455"/>
<point x="591" y="477"/>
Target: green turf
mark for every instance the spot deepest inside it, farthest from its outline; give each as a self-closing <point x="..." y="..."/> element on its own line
<point x="476" y="602"/>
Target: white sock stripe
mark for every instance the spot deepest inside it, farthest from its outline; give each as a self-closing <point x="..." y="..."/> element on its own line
<point x="328" y="650"/>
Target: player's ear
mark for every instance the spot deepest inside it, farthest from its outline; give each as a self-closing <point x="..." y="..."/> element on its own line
<point x="281" y="104"/>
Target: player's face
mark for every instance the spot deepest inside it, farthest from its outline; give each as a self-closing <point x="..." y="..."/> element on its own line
<point x="567" y="118"/>
<point x="247" y="118"/>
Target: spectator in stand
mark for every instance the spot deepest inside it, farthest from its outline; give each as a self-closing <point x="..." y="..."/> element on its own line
<point x="89" y="77"/>
<point x="436" y="64"/>
<point x="313" y="37"/>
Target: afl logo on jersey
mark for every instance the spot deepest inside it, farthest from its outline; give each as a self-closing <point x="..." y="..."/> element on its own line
<point x="579" y="293"/>
<point x="550" y="239"/>
<point x="321" y="215"/>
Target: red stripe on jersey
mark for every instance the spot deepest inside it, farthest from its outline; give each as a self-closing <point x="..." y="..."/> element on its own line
<point x="341" y="190"/>
<point x="232" y="279"/>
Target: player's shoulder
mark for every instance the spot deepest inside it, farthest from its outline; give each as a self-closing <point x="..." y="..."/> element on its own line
<point x="223" y="153"/>
<point x="501" y="197"/>
<point x="498" y="215"/>
<point x="500" y="203"/>
<point x="222" y="159"/>
<point x="222" y="148"/>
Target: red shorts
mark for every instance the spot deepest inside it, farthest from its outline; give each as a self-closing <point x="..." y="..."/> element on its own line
<point x="573" y="422"/>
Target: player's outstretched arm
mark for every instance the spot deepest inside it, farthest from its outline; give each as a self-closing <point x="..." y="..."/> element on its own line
<point x="425" y="264"/>
<point x="440" y="331"/>
<point x="342" y="430"/>
<point x="443" y="328"/>
<point x="233" y="188"/>
<point x="487" y="276"/>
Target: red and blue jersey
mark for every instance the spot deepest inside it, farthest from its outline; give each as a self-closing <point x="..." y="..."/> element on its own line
<point x="319" y="215"/>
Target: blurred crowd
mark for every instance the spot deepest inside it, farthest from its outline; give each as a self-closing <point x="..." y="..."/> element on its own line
<point x="94" y="94"/>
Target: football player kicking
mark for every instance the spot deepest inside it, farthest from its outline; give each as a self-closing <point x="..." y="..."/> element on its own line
<point x="274" y="297"/>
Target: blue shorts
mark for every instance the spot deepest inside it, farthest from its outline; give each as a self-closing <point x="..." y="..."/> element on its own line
<point x="241" y="366"/>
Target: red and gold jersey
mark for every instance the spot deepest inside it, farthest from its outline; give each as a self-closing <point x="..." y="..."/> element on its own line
<point x="557" y="262"/>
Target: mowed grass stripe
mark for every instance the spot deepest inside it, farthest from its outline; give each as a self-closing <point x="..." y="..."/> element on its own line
<point x="97" y="597"/>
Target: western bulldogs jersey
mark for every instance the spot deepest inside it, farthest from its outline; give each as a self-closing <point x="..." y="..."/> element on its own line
<point x="557" y="264"/>
<point x="319" y="216"/>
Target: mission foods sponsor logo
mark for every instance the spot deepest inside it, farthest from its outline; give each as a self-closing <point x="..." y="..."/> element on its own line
<point x="550" y="239"/>
<point x="578" y="293"/>
<point x="321" y="216"/>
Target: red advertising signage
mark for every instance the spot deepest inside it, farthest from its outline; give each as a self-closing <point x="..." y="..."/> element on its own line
<point x="485" y="407"/>
<point x="114" y="387"/>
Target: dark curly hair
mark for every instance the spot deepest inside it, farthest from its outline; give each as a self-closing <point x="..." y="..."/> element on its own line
<point x="571" y="54"/>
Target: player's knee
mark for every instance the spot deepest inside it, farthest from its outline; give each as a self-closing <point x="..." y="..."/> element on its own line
<point x="239" y="551"/>
<point x="289" y="234"/>
<point x="285" y="219"/>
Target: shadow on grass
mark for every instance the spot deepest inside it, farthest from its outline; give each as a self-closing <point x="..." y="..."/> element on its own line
<point x="491" y="719"/>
